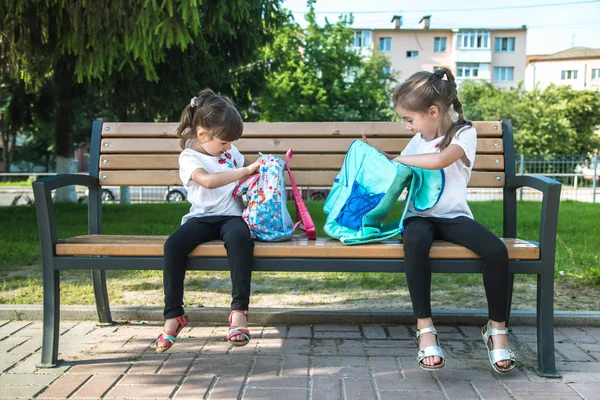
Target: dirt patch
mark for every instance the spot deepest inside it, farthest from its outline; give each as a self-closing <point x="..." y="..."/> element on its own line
<point x="213" y="290"/>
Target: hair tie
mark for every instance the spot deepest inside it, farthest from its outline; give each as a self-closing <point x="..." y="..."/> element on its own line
<point x="440" y="73"/>
<point x="193" y="102"/>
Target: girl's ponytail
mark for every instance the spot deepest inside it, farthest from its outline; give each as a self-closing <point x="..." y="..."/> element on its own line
<point x="215" y="114"/>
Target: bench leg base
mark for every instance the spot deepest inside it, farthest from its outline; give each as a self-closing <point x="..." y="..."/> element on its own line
<point x="43" y="365"/>
<point x="555" y="375"/>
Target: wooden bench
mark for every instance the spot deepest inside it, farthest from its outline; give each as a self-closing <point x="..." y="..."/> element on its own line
<point x="145" y="154"/>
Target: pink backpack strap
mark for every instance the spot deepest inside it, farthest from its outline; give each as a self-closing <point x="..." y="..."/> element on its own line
<point x="301" y="210"/>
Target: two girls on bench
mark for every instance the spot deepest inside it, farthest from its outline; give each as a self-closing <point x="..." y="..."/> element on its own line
<point x="209" y="167"/>
<point x="429" y="105"/>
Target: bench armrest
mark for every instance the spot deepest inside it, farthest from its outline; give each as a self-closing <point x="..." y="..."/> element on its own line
<point x="42" y="193"/>
<point x="550" y="189"/>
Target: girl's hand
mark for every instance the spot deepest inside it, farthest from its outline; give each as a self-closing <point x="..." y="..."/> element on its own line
<point x="250" y="169"/>
<point x="364" y="138"/>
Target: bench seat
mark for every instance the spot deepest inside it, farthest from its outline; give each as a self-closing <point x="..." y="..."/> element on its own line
<point x="298" y="247"/>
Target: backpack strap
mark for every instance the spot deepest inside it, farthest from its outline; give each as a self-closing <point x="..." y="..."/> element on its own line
<point x="301" y="210"/>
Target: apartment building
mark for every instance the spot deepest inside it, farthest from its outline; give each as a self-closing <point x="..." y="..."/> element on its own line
<point x="494" y="55"/>
<point x="578" y="67"/>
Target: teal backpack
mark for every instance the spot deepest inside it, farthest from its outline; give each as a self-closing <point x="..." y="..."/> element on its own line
<point x="367" y="188"/>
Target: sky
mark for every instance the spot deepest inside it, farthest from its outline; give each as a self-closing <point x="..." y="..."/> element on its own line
<point x="552" y="25"/>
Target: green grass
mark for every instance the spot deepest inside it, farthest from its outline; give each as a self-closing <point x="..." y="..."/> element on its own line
<point x="577" y="262"/>
<point x="17" y="183"/>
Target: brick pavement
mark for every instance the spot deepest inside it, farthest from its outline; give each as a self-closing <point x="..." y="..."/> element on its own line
<point x="286" y="362"/>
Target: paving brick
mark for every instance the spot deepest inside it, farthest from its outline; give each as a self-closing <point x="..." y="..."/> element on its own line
<point x="295" y="382"/>
<point x="580" y="377"/>
<point x="326" y="388"/>
<point x="274" y="345"/>
<point x="274" y="332"/>
<point x="449" y="374"/>
<point x="148" y="364"/>
<point x="400" y="332"/>
<point x="578" y="366"/>
<point x="295" y="365"/>
<point x="276" y="393"/>
<point x="491" y="390"/>
<point x="336" y="328"/>
<point x="337" y="335"/>
<point x="411" y="396"/>
<point x="587" y="390"/>
<point x="539" y="388"/>
<point x="120" y="392"/>
<point x="226" y="388"/>
<point x="12" y="327"/>
<point x="26" y="379"/>
<point x="177" y="365"/>
<point x="65" y="386"/>
<point x="236" y="366"/>
<point x="300" y="332"/>
<point x="374" y="332"/>
<point x="194" y="387"/>
<point x="96" y="386"/>
<point x="20" y="392"/>
<point x="460" y="390"/>
<point x="267" y="365"/>
<point x="577" y="335"/>
<point x="385" y="383"/>
<point x="359" y="389"/>
<point x="593" y="331"/>
<point x="385" y="367"/>
<point x="324" y="348"/>
<point x="4" y="365"/>
<point x="356" y="348"/>
<point x="339" y="361"/>
<point x="341" y="371"/>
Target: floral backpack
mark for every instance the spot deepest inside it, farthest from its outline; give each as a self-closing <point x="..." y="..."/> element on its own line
<point x="265" y="201"/>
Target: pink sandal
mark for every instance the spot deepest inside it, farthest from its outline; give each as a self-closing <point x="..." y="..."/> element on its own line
<point x="236" y="331"/>
<point x="168" y="337"/>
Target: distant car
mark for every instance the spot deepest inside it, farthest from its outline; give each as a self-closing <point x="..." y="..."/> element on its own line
<point x="176" y="194"/>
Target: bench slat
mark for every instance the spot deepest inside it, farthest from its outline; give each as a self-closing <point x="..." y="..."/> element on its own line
<point x="303" y="178"/>
<point x="484" y="162"/>
<point x="152" y="246"/>
<point x="341" y="145"/>
<point x="283" y="129"/>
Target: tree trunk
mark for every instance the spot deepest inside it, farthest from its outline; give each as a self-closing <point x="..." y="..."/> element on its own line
<point x="64" y="82"/>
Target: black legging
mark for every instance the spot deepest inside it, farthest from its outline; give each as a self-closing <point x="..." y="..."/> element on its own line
<point x="240" y="249"/>
<point x="419" y="233"/>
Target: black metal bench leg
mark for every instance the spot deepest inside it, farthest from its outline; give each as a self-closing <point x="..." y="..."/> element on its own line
<point x="51" y="332"/>
<point x="101" y="294"/>
<point x="545" y="326"/>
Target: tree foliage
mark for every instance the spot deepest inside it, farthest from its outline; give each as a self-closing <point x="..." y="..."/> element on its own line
<point x="315" y="74"/>
<point x="557" y="119"/>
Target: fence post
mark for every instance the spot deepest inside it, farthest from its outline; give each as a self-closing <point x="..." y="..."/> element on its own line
<point x="521" y="172"/>
<point x="595" y="180"/>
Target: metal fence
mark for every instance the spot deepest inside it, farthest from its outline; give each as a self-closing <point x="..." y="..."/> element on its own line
<point x="579" y="174"/>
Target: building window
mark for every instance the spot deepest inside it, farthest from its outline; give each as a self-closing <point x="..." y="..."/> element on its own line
<point x="412" y="54"/>
<point x="387" y="69"/>
<point x="505" y="44"/>
<point x="362" y="39"/>
<point x="385" y="44"/>
<point x="473" y="40"/>
<point x="503" y="74"/>
<point x="467" y="71"/>
<point x="439" y="44"/>
<point x="596" y="73"/>
<point x="568" y="74"/>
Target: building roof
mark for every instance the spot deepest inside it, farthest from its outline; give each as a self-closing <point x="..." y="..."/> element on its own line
<point x="569" y="54"/>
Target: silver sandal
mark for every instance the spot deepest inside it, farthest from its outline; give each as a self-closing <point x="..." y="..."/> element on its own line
<point x="497" y="355"/>
<point x="430" y="351"/>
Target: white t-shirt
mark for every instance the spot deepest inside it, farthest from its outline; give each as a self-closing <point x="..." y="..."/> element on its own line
<point x="210" y="202"/>
<point x="453" y="201"/>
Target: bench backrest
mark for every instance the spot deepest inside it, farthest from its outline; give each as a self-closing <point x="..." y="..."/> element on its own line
<point x="146" y="154"/>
